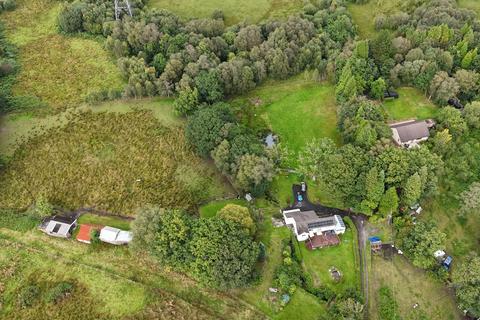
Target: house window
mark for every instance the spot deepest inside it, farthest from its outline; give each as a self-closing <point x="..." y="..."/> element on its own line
<point x="56" y="228"/>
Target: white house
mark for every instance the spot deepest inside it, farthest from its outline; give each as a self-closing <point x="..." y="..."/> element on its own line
<point x="410" y="133"/>
<point x="307" y="224"/>
<point x="59" y="226"/>
<point x="115" y="236"/>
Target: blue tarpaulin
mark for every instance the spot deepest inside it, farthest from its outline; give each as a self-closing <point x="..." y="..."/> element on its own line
<point x="374" y="239"/>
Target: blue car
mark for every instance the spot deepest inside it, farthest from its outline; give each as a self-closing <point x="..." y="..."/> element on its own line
<point x="299" y="198"/>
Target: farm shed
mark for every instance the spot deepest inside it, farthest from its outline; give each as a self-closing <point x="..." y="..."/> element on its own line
<point x="59" y="226"/>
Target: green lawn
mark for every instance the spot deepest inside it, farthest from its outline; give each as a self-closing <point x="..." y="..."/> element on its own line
<point x="110" y="221"/>
<point x="410" y="285"/>
<point x="298" y="110"/>
<point x="342" y="257"/>
<point x="364" y="14"/>
<point x="210" y="209"/>
<point x="63" y="72"/>
<point x="234" y="10"/>
<point x="470" y="4"/>
<point x="412" y="104"/>
<point x="303" y="306"/>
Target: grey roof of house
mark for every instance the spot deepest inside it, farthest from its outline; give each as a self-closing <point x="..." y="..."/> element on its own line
<point x="413" y="130"/>
<point x="306" y="220"/>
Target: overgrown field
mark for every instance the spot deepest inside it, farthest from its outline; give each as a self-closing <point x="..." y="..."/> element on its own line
<point x="364" y="14"/>
<point x="112" y="161"/>
<point x="470" y="4"/>
<point x="47" y="278"/>
<point x="18" y="127"/>
<point x="234" y="10"/>
<point x="409" y="286"/>
<point x="59" y="70"/>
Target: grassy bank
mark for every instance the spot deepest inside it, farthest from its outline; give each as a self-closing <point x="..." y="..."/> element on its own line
<point x="234" y="10"/>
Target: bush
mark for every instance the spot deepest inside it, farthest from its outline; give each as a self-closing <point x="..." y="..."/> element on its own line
<point x="95" y="237"/>
<point x="70" y="19"/>
<point x="28" y="296"/>
<point x="7" y="5"/>
<point x="59" y="292"/>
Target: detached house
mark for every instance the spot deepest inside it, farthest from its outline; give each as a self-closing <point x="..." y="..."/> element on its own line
<point x="308" y="224"/>
<point x="410" y="133"/>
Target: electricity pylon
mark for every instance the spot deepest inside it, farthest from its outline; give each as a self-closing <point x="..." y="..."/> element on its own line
<point x="122" y="6"/>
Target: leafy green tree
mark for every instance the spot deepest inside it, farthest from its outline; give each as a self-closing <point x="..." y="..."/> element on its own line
<point x="374" y="187"/>
<point x="420" y="242"/>
<point x="470" y="199"/>
<point x="466" y="281"/>
<point x="209" y="87"/>
<point x="207" y="127"/>
<point x="441" y="141"/>
<point x="389" y="202"/>
<point x="238" y="214"/>
<point x="378" y="88"/>
<point x="451" y="119"/>
<point x="145" y="227"/>
<point x="365" y="135"/>
<point x="361" y="49"/>
<point x="314" y="156"/>
<point x="472" y="114"/>
<point x="42" y="207"/>
<point x="187" y="101"/>
<point x="70" y="19"/>
<point x="254" y="173"/>
<point x="172" y="239"/>
<point x="224" y="254"/>
<point x="443" y="87"/>
<point x="468" y="58"/>
<point x="412" y="190"/>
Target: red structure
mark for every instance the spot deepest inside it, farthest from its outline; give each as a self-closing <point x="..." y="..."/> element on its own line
<point x="321" y="241"/>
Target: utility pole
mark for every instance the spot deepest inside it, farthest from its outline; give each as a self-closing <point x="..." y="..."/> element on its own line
<point x="122" y="6"/>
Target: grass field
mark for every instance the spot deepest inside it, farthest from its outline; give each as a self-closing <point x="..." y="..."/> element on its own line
<point x="470" y="4"/>
<point x="18" y="127"/>
<point x="298" y="110"/>
<point x="234" y="10"/>
<point x="113" y="161"/>
<point x="59" y="70"/>
<point x="364" y="14"/>
<point x="110" y="221"/>
<point x="412" y="104"/>
<point x="302" y="305"/>
<point x="410" y="285"/>
<point x="210" y="209"/>
<point x="104" y="280"/>
<point x="342" y="257"/>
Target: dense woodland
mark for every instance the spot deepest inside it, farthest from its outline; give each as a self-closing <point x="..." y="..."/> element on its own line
<point x="431" y="45"/>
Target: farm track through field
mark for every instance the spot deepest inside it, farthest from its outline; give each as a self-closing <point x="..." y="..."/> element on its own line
<point x="6" y="239"/>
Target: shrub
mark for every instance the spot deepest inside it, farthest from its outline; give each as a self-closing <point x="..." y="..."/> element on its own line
<point x="70" y="19"/>
<point x="28" y="296"/>
<point x="95" y="237"/>
<point x="59" y="292"/>
<point x="7" y="5"/>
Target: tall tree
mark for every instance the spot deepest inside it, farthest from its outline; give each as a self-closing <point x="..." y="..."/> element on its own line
<point x="389" y="202"/>
<point x="238" y="214"/>
<point x="224" y="254"/>
<point x="412" y="190"/>
<point x="466" y="281"/>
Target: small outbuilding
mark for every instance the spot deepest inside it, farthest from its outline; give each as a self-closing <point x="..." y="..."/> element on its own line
<point x="115" y="236"/>
<point x="85" y="231"/>
<point x="59" y="226"/>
